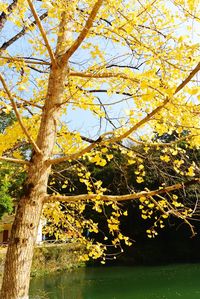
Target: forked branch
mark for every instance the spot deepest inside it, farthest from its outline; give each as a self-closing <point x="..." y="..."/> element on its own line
<point x="84" y="32"/>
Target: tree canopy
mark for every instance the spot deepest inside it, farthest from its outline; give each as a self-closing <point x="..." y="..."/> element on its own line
<point x="131" y="68"/>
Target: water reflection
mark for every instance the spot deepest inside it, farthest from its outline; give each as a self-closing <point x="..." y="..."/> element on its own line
<point x="166" y="282"/>
<point x="59" y="286"/>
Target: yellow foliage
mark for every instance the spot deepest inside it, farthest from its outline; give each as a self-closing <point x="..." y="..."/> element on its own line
<point x="123" y="75"/>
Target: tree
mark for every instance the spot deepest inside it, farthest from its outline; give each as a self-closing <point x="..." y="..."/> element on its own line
<point x="127" y="54"/>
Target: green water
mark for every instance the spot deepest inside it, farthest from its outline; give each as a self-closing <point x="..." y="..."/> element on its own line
<point x="161" y="282"/>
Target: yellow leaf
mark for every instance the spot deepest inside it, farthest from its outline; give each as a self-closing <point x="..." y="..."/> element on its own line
<point x="165" y="158"/>
<point x="139" y="180"/>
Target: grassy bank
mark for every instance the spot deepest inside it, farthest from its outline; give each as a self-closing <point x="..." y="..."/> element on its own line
<point x="56" y="257"/>
<point x="51" y="257"/>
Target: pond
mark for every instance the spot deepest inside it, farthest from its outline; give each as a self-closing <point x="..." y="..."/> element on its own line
<point x="160" y="282"/>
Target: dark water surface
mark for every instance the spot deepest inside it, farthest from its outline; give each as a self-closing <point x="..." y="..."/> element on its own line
<point x="160" y="282"/>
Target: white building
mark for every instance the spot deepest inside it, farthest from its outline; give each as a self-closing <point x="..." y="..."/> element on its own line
<point x="6" y="225"/>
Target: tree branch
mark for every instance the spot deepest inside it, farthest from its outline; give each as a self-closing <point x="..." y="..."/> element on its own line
<point x="103" y="75"/>
<point x="122" y="66"/>
<point x="84" y="32"/>
<point x="24" y="129"/>
<point x="141" y="122"/>
<point x="134" y="196"/>
<point x="27" y="103"/>
<point x="24" y="60"/>
<point x="156" y="110"/>
<point x="42" y="31"/>
<point x="123" y="76"/>
<point x="75" y="155"/>
<point x="4" y="16"/>
<point x="101" y="139"/>
<point x="105" y="91"/>
<point x="151" y="144"/>
<point x="187" y="80"/>
<point x="5" y="45"/>
<point x="19" y="161"/>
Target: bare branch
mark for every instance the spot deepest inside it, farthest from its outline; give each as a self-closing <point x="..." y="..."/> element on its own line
<point x="20" y="34"/>
<point x="123" y="66"/>
<point x="105" y="91"/>
<point x="84" y="32"/>
<point x="83" y="197"/>
<point x="106" y="116"/>
<point x="114" y="139"/>
<point x="24" y="129"/>
<point x="18" y="161"/>
<point x="42" y="31"/>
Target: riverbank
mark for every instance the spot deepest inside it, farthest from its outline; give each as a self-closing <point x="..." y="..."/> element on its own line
<point x="50" y="258"/>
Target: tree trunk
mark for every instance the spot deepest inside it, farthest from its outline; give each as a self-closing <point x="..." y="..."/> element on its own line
<point x="24" y="231"/>
<point x="20" y="250"/>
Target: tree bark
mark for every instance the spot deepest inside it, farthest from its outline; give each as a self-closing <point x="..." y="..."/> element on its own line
<point x="20" y="250"/>
<point x="24" y="231"/>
